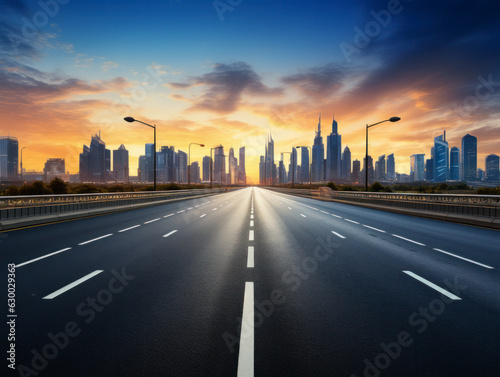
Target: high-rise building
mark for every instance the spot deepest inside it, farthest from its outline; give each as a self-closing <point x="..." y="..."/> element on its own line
<point x="481" y="175"/>
<point x="304" y="164"/>
<point x="141" y="169"/>
<point x="9" y="155"/>
<point x="182" y="166"/>
<point x="219" y="169"/>
<point x="195" y="172"/>
<point x="282" y="172"/>
<point x="233" y="164"/>
<point x="120" y="164"/>
<point x="371" y="175"/>
<point x="391" y="168"/>
<point x="381" y="168"/>
<point x="149" y="172"/>
<point x="441" y="159"/>
<point x="262" y="170"/>
<point x="206" y="168"/>
<point x="346" y="163"/>
<point x="54" y="167"/>
<point x="492" y="164"/>
<point x="468" y="160"/>
<point x="318" y="156"/>
<point x="333" y="153"/>
<point x="417" y="167"/>
<point x="270" y="175"/>
<point x="454" y="164"/>
<point x="95" y="162"/>
<point x="356" y="171"/>
<point x="242" y="173"/>
<point x="293" y="174"/>
<point x="429" y="170"/>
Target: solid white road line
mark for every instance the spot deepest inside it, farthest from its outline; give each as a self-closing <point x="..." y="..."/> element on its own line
<point x="250" y="262"/>
<point x="247" y="336"/>
<point x="151" y="221"/>
<point x="303" y="215"/>
<point x="250" y="235"/>
<point x="251" y="222"/>
<point x="432" y="285"/>
<point x="169" y="215"/>
<point x="170" y="233"/>
<point x="338" y="234"/>
<point x="351" y="221"/>
<point x="95" y="239"/>
<point x="132" y="227"/>
<point x="465" y="259"/>
<point x="71" y="285"/>
<point x="407" y="239"/>
<point x="336" y="216"/>
<point x="42" y="257"/>
<point x="181" y="211"/>
<point x="203" y="215"/>
<point x="370" y="227"/>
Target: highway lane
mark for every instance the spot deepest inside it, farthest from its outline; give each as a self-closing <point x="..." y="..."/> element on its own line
<point x="172" y="284"/>
<point x="339" y="310"/>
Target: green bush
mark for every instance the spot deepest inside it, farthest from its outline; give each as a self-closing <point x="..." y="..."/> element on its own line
<point x="58" y="186"/>
<point x="332" y="186"/>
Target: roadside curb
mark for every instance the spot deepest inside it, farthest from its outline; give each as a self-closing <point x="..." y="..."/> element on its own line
<point x="39" y="220"/>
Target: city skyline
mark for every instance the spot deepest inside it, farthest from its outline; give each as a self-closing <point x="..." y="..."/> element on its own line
<point x="229" y="77"/>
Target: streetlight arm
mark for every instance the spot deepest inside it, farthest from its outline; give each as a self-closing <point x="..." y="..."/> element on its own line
<point x="145" y="124"/>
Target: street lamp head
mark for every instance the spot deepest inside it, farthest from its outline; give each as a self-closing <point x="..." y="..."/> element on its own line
<point x="129" y="119"/>
<point x="394" y="119"/>
<point x="202" y="145"/>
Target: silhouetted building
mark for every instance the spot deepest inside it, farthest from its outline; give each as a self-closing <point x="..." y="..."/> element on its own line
<point x="333" y="153"/>
<point x="120" y="164"/>
<point x="468" y="158"/>
<point x="9" y="158"/>
<point x="391" y="168"/>
<point x="441" y="159"/>
<point x="381" y="168"/>
<point x="356" y="171"/>
<point x="492" y="164"/>
<point x="242" y="172"/>
<point x="206" y="168"/>
<point x="182" y="158"/>
<point x="195" y="172"/>
<point x="304" y="164"/>
<point x="417" y="167"/>
<point x="318" y="156"/>
<point x="95" y="161"/>
<point x="429" y="170"/>
<point x="346" y="163"/>
<point x="141" y="169"/>
<point x="371" y="175"/>
<point x="54" y="167"/>
<point x="270" y="175"/>
<point x="454" y="164"/>
<point x="262" y="170"/>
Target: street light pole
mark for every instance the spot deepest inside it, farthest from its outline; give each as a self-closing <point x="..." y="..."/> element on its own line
<point x="22" y="163"/>
<point x="130" y="119"/>
<point x="392" y="119"/>
<point x="189" y="161"/>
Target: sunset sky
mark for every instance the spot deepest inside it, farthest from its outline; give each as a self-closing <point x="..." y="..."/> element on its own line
<point x="231" y="71"/>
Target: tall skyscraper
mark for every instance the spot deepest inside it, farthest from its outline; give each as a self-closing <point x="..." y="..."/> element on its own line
<point x="149" y="173"/>
<point x="454" y="164"/>
<point x="219" y="169"/>
<point x="242" y="173"/>
<point x="346" y="163"/>
<point x="293" y="174"/>
<point x="9" y="155"/>
<point x="141" y="169"/>
<point x="391" y="168"/>
<point x="304" y="164"/>
<point x="368" y="164"/>
<point x="356" y="171"/>
<point x="381" y="168"/>
<point x="429" y="170"/>
<point x="195" y="172"/>
<point x="333" y="153"/>
<point x="206" y="168"/>
<point x="270" y="175"/>
<point x="95" y="162"/>
<point x="183" y="163"/>
<point x="120" y="164"/>
<point x="468" y="160"/>
<point x="318" y="156"/>
<point x="417" y="167"/>
<point x="282" y="172"/>
<point x="441" y="159"/>
<point x="492" y="164"/>
<point x="262" y="170"/>
<point x="233" y="164"/>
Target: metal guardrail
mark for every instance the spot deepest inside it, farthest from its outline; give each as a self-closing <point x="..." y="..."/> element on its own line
<point x="460" y="204"/>
<point x="14" y="207"/>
